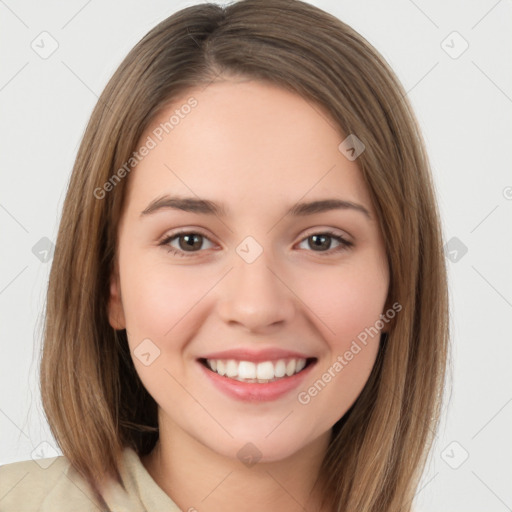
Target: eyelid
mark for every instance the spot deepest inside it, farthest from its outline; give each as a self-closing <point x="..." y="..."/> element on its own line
<point x="183" y="231"/>
<point x="326" y="230"/>
<point x="170" y="236"/>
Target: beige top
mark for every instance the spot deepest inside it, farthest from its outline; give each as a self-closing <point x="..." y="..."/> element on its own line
<point x="53" y="485"/>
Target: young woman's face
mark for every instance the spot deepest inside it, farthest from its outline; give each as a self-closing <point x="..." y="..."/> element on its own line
<point x="242" y="281"/>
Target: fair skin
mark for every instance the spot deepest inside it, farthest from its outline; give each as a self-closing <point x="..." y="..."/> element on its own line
<point x="259" y="150"/>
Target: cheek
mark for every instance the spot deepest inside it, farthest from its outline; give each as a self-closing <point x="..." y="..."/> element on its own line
<point x="348" y="299"/>
<point x="161" y="303"/>
<point x="349" y="302"/>
<point x="158" y="299"/>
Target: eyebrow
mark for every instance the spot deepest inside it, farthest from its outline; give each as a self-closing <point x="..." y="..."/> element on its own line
<point x="207" y="207"/>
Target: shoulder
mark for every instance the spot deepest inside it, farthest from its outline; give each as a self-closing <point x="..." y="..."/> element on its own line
<point x="44" y="485"/>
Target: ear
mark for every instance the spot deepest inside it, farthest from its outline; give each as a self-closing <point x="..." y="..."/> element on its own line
<point x="115" y="304"/>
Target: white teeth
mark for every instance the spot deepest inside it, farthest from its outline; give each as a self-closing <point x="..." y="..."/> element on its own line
<point x="221" y="368"/>
<point x="280" y="368"/>
<point x="231" y="369"/>
<point x="300" y="365"/>
<point x="265" y="371"/>
<point x="246" y="370"/>
<point x="290" y="367"/>
<point x="256" y="372"/>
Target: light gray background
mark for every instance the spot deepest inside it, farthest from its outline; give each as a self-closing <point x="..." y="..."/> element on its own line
<point x="464" y="106"/>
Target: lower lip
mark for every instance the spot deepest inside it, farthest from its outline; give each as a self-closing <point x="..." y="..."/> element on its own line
<point x="253" y="391"/>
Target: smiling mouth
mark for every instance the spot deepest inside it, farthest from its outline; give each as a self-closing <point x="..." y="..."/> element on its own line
<point x="257" y="373"/>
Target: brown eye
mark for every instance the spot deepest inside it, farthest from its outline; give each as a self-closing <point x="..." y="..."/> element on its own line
<point x="322" y="242"/>
<point x="188" y="242"/>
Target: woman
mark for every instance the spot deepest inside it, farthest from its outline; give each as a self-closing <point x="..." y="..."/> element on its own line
<point x="244" y="369"/>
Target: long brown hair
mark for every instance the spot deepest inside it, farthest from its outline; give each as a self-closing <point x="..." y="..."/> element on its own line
<point x="93" y="398"/>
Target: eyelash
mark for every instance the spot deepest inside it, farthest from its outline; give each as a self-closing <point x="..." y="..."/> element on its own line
<point x="344" y="244"/>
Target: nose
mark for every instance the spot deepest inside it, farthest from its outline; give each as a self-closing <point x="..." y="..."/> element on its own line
<point x="257" y="297"/>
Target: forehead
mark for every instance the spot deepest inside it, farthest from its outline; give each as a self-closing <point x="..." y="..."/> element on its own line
<point x="247" y="142"/>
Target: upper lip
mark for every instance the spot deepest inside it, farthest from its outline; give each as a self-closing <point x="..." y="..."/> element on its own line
<point x="269" y="354"/>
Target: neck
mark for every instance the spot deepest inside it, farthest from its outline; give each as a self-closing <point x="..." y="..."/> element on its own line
<point x="197" y="478"/>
